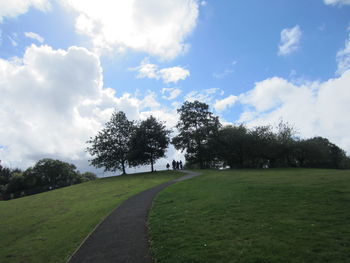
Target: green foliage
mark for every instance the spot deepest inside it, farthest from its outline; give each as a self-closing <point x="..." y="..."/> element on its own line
<point x="111" y="146"/>
<point x="196" y="126"/>
<point x="46" y="174"/>
<point x="233" y="145"/>
<point x="5" y="175"/>
<point x="48" y="227"/>
<point x="53" y="173"/>
<point x="320" y="152"/>
<point x="208" y="144"/>
<point x="88" y="176"/>
<point x="16" y="183"/>
<point x="240" y="147"/>
<point x="260" y="215"/>
<point x="148" y="143"/>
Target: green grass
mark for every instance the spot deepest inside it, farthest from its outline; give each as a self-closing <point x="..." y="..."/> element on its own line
<point x="255" y="216"/>
<point x="48" y="227"/>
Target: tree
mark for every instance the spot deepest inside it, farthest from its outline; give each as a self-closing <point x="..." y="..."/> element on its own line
<point x="111" y="146"/>
<point x="88" y="176"/>
<point x="196" y="126"/>
<point x="321" y="153"/>
<point x="52" y="173"/>
<point x="233" y="144"/>
<point x="264" y="146"/>
<point x="148" y="143"/>
<point x="285" y="144"/>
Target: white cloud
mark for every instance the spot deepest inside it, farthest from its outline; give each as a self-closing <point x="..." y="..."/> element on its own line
<point x="52" y="101"/>
<point x="337" y="2"/>
<point x="174" y="74"/>
<point x="267" y="94"/>
<point x="316" y="109"/>
<point x="221" y="105"/>
<point x="206" y="95"/>
<point x="12" y="8"/>
<point x="170" y="93"/>
<point x="168" y="75"/>
<point x="147" y="70"/>
<point x="156" y="27"/>
<point x="12" y="40"/>
<point x="223" y="74"/>
<point x="343" y="58"/>
<point x="290" y="38"/>
<point x="35" y="36"/>
<point x="150" y="101"/>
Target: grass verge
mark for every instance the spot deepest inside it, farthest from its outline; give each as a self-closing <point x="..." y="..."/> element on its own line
<point x="254" y="216"/>
<point x="48" y="227"/>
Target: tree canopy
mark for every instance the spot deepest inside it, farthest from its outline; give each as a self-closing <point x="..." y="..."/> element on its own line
<point x="196" y="126"/>
<point x="46" y="174"/>
<point x="111" y="146"/>
<point x="148" y="143"/>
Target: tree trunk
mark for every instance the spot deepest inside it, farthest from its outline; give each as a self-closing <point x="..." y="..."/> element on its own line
<point x="123" y="167"/>
<point x="152" y="170"/>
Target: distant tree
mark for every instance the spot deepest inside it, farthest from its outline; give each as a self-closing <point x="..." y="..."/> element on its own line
<point x="233" y="144"/>
<point x="52" y="173"/>
<point x="5" y="175"/>
<point x="263" y="146"/>
<point x="285" y="150"/>
<point x="321" y="153"/>
<point x="111" y="146"/>
<point x="196" y="126"/>
<point x="16" y="183"/>
<point x="148" y="143"/>
<point x="88" y="176"/>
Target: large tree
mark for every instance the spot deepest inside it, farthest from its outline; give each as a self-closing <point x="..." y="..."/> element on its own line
<point x="111" y="146"/>
<point x="50" y="172"/>
<point x="233" y="146"/>
<point x="149" y="142"/>
<point x="196" y="126"/>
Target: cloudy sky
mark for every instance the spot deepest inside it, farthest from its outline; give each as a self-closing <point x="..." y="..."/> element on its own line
<point x="65" y="65"/>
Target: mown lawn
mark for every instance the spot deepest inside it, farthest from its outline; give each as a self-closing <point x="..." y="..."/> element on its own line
<point x="48" y="227"/>
<point x="255" y="216"/>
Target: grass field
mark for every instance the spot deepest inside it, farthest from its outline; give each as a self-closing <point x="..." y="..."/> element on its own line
<point x="48" y="227"/>
<point x="255" y="216"/>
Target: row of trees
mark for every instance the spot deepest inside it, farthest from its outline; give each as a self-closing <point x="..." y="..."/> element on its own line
<point x="122" y="142"/>
<point x="46" y="174"/>
<point x="207" y="143"/>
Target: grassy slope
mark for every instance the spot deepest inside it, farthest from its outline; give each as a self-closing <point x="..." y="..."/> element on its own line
<point x="282" y="215"/>
<point x="48" y="227"/>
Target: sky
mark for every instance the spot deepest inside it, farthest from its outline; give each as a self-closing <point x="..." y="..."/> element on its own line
<point x="66" y="65"/>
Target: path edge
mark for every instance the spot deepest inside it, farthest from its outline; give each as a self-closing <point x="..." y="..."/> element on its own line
<point x="186" y="172"/>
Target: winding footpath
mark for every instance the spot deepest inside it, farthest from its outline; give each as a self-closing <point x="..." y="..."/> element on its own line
<point x="122" y="237"/>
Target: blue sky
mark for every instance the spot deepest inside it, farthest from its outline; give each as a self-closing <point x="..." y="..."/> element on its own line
<point x="253" y="62"/>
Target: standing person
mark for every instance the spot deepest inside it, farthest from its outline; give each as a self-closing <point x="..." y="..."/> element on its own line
<point x="174" y="164"/>
<point x="181" y="167"/>
<point x="168" y="166"/>
<point x="177" y="165"/>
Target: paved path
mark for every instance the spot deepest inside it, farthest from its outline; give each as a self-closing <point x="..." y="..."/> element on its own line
<point x="122" y="236"/>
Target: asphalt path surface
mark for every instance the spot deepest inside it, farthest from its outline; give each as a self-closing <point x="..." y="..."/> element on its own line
<point x="122" y="237"/>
